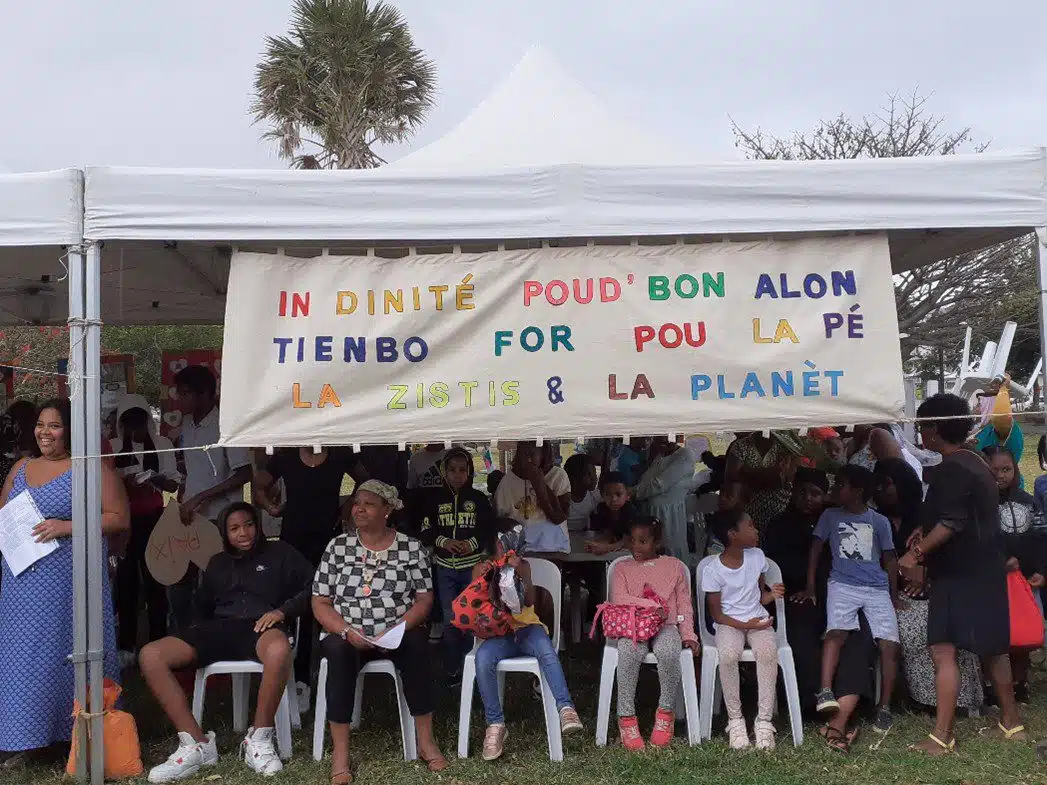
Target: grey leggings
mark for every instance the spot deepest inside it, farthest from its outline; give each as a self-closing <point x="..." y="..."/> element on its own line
<point x="666" y="646"/>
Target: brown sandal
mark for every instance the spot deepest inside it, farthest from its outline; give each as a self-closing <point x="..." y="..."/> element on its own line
<point x="341" y="777"/>
<point x="836" y="740"/>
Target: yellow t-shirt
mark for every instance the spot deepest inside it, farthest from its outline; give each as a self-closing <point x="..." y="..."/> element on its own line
<point x="525" y="618"/>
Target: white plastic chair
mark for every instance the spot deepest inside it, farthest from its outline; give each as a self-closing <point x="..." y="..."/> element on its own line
<point x="407" y="730"/>
<point x="688" y="694"/>
<point x="711" y="696"/>
<point x="240" y="671"/>
<point x="544" y="575"/>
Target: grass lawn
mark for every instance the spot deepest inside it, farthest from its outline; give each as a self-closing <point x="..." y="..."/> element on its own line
<point x="981" y="759"/>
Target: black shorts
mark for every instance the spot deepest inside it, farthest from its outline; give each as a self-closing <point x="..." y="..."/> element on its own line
<point x="971" y="613"/>
<point x="224" y="639"/>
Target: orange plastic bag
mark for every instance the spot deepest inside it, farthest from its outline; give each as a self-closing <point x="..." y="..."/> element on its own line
<point x="123" y="754"/>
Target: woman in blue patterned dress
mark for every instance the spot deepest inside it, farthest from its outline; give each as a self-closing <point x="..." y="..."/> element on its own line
<point x="36" y="607"/>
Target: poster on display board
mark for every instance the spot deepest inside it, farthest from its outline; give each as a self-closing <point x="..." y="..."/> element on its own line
<point x="560" y="342"/>
<point x="118" y="379"/>
<point x="171" y="411"/>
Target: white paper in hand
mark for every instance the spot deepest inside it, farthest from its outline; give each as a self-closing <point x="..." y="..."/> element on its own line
<point x="17" y="519"/>
<point x="391" y="638"/>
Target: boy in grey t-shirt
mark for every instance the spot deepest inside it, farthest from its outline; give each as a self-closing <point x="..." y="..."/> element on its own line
<point x="864" y="578"/>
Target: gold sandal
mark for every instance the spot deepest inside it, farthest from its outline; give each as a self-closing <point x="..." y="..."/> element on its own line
<point x="941" y="745"/>
<point x="1009" y="734"/>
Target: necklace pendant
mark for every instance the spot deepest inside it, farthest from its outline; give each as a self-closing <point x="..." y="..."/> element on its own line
<point x="366" y="591"/>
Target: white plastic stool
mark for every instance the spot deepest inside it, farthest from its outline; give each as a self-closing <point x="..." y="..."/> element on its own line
<point x="407" y="730"/>
<point x="687" y="698"/>
<point x="240" y="671"/>
<point x="710" y="688"/>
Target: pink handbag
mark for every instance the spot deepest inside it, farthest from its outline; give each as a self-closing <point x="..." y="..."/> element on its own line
<point x="631" y="621"/>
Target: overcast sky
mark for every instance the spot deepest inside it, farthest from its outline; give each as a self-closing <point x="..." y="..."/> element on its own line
<point x="168" y="84"/>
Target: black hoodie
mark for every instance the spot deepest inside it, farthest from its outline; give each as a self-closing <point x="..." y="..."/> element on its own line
<point x="465" y="515"/>
<point x="1024" y="531"/>
<point x="247" y="585"/>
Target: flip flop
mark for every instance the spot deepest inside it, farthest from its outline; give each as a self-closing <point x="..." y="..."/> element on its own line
<point x="941" y="747"/>
<point x="1010" y="733"/>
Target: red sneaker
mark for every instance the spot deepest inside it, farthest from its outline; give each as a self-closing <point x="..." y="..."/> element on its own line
<point x="629" y="730"/>
<point x="662" y="735"/>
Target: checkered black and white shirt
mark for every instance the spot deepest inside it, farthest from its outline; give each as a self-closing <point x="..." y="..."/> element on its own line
<point x="399" y="574"/>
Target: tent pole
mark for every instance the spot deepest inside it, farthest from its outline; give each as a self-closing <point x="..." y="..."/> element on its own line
<point x="97" y="563"/>
<point x="1040" y="257"/>
<point x="77" y="450"/>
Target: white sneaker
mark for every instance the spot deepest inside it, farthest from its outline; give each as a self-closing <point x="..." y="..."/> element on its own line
<point x="187" y="760"/>
<point x="737" y="735"/>
<point x="305" y="696"/>
<point x="259" y="752"/>
<point x="764" y="732"/>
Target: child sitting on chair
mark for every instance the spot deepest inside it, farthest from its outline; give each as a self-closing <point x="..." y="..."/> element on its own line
<point x="737" y="593"/>
<point x="529" y="638"/>
<point x="665" y="576"/>
<point x="249" y="596"/>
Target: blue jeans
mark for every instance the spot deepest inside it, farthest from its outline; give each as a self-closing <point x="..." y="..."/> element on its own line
<point x="531" y="641"/>
<point x="456" y="644"/>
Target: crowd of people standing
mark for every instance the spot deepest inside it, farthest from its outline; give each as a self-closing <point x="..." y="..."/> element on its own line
<point x="888" y="565"/>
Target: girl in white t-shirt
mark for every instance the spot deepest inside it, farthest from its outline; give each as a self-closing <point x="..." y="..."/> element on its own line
<point x="737" y="593"/>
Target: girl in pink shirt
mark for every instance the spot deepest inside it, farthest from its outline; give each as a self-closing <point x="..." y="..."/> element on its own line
<point x="667" y="578"/>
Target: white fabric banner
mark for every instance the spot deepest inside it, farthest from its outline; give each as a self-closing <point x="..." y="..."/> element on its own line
<point x="560" y="342"/>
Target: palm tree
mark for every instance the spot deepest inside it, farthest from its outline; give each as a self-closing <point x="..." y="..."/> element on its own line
<point x="347" y="76"/>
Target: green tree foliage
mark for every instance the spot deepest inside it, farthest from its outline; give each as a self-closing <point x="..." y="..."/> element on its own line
<point x="346" y="77"/>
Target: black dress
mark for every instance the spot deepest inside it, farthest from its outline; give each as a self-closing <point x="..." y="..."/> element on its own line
<point x="967" y="598"/>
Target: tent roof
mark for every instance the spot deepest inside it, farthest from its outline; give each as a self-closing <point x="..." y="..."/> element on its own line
<point x="41" y="208"/>
<point x="538" y="116"/>
<point x="168" y="232"/>
<point x="933" y="206"/>
<point x="40" y="213"/>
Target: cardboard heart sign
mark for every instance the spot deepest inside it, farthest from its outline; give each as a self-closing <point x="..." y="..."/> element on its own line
<point x="173" y="546"/>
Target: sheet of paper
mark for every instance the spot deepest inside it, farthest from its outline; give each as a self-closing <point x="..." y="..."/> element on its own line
<point x="17" y="519"/>
<point x="391" y="638"/>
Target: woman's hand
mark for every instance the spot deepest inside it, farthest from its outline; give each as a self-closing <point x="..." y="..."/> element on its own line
<point x="759" y="624"/>
<point x="909" y="567"/>
<point x="514" y="560"/>
<point x="358" y="641"/>
<point x="52" y="529"/>
<point x="1036" y="581"/>
<point x="694" y="646"/>
<point x="269" y="620"/>
<point x="914" y="539"/>
<point x="778" y="591"/>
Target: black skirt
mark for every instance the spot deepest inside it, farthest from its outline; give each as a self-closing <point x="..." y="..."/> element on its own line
<point x="971" y="613"/>
<point x="805" y="627"/>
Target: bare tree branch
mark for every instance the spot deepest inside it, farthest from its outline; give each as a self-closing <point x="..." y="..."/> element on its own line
<point x="936" y="302"/>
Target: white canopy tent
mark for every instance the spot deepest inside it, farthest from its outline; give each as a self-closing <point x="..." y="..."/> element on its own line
<point x="41" y="226"/>
<point x="539" y="115"/>
<point x="156" y="241"/>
